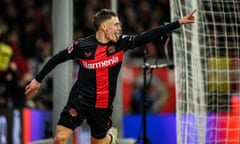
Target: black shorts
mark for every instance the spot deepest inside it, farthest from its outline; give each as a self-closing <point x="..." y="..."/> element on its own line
<point x="99" y="119"/>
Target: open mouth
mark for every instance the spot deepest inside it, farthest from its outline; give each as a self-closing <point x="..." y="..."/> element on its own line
<point x="119" y="33"/>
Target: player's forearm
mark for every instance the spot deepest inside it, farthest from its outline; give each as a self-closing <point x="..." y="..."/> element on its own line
<point x="51" y="64"/>
<point x="155" y="33"/>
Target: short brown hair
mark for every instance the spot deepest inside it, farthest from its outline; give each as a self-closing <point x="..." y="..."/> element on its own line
<point x="101" y="16"/>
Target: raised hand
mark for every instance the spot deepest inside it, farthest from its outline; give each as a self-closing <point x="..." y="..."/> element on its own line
<point x="188" y="18"/>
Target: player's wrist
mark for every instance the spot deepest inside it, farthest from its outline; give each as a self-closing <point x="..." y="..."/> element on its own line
<point x="181" y="21"/>
<point x="36" y="82"/>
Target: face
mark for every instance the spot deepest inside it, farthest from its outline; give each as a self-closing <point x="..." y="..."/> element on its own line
<point x="112" y="29"/>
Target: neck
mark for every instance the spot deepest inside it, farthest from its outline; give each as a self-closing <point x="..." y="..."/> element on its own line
<point x="100" y="36"/>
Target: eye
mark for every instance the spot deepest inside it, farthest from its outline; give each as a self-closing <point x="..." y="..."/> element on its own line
<point x="117" y="24"/>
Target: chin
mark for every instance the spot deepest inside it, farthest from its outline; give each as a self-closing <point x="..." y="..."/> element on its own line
<point x="117" y="38"/>
<point x="114" y="40"/>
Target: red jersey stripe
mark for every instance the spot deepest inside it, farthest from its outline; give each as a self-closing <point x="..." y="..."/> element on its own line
<point x="102" y="84"/>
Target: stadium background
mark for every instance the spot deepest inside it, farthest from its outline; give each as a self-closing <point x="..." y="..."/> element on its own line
<point x="26" y="44"/>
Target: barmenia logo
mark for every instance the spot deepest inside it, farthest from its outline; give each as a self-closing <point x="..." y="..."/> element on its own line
<point x="102" y="64"/>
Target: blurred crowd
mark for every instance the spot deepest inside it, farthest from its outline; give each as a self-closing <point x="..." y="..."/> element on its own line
<point x="26" y="40"/>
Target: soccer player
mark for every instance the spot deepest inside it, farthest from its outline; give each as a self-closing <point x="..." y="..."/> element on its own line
<point x="100" y="57"/>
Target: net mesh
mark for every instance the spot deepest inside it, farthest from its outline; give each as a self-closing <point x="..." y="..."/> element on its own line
<point x="207" y="72"/>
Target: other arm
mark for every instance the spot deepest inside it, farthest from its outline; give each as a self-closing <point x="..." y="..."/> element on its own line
<point x="32" y="88"/>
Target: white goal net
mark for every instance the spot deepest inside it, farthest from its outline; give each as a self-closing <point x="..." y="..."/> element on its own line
<point x="207" y="72"/>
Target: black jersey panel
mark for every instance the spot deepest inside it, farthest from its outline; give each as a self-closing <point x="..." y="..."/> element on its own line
<point x="86" y="85"/>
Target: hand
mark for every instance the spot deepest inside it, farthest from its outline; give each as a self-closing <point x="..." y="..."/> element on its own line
<point x="31" y="89"/>
<point x="188" y="18"/>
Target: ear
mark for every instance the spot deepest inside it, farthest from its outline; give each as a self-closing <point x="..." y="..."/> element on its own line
<point x="103" y="26"/>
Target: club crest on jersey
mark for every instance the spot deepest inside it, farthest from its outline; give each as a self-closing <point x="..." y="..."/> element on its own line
<point x="111" y="49"/>
<point x="70" y="48"/>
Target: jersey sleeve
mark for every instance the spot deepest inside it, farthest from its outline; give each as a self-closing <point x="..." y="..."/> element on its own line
<point x="132" y="41"/>
<point x="67" y="54"/>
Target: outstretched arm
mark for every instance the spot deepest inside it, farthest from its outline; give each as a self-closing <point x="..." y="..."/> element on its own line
<point x="159" y="31"/>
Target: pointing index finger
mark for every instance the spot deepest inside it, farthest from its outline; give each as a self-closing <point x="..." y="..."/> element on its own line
<point x="193" y="11"/>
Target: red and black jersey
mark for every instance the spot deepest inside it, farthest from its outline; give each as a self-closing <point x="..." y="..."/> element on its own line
<point x="100" y="63"/>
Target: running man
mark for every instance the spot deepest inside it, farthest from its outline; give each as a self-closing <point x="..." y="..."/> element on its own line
<point x="100" y="57"/>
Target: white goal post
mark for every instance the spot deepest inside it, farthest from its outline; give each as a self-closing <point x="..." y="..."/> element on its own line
<point x="207" y="72"/>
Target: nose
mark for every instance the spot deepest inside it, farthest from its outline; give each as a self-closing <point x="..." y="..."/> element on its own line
<point x="119" y="28"/>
